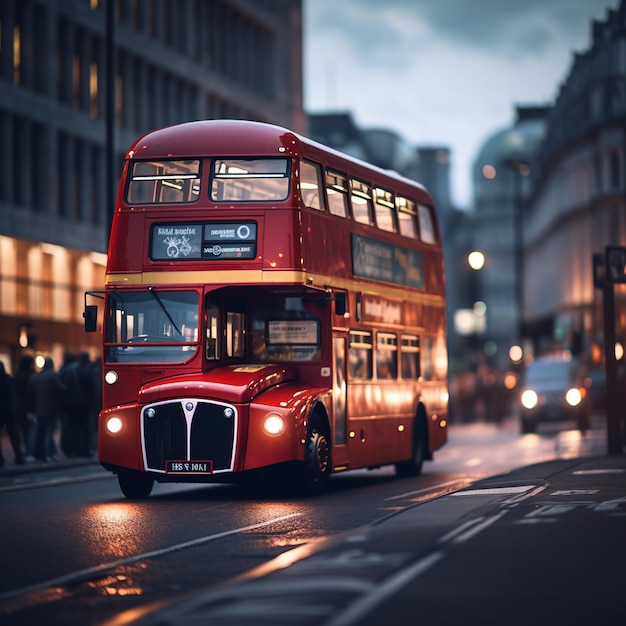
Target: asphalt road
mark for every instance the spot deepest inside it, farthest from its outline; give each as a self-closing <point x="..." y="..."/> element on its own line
<point x="76" y="552"/>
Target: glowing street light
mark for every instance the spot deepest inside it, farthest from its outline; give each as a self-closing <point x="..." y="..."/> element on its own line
<point x="476" y="260"/>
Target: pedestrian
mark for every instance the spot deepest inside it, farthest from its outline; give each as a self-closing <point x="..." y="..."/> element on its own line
<point x="46" y="394"/>
<point x="23" y="418"/>
<point x="79" y="397"/>
<point x="7" y="415"/>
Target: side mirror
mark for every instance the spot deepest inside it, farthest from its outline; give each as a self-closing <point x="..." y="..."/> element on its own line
<point x="340" y="303"/>
<point x="90" y="314"/>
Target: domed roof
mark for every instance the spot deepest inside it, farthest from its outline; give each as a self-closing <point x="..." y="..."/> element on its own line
<point x="517" y="142"/>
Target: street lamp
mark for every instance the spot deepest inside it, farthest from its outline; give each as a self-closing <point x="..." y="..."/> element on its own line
<point x="476" y="260"/>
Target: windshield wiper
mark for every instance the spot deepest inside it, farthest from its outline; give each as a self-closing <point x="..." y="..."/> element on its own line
<point x="155" y="295"/>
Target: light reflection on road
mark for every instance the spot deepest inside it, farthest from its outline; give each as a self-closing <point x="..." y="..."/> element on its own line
<point x="484" y="448"/>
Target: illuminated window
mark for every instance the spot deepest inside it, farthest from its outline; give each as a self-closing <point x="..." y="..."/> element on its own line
<point x="163" y="182"/>
<point x="311" y="185"/>
<point x="385" y="210"/>
<point x="93" y="90"/>
<point x="337" y="191"/>
<point x="361" y="201"/>
<point x="407" y="217"/>
<point x="17" y="56"/>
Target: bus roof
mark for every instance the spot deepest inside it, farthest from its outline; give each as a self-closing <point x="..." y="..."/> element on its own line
<point x="240" y="138"/>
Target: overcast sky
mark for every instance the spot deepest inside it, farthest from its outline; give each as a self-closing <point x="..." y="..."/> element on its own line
<point x="442" y="72"/>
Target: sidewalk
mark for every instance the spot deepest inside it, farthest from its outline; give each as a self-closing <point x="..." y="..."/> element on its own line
<point x="10" y="468"/>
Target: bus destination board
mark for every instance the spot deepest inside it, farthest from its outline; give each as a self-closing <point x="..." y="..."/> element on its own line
<point x="203" y="241"/>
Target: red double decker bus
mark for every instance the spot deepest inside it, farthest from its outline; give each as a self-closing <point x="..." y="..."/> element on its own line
<point x="271" y="307"/>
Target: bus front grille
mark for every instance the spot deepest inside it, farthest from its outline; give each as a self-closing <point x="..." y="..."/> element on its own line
<point x="189" y="430"/>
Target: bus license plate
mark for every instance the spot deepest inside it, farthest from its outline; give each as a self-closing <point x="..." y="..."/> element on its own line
<point x="189" y="467"/>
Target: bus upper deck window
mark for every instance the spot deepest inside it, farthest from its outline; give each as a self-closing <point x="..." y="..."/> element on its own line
<point x="311" y="185"/>
<point x="337" y="191"/>
<point x="385" y="210"/>
<point x="427" y="227"/>
<point x="250" y="180"/>
<point x="407" y="217"/>
<point x="361" y="201"/>
<point x="163" y="182"/>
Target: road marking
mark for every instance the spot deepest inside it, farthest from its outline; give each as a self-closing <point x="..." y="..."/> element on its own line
<point x="433" y="488"/>
<point x="470" y="529"/>
<point x="364" y="605"/>
<point x="597" y="471"/>
<point x="495" y="491"/>
<point x="86" y="574"/>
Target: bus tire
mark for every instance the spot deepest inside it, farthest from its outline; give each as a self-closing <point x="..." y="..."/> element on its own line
<point x="317" y="457"/>
<point x="135" y="485"/>
<point x="413" y="467"/>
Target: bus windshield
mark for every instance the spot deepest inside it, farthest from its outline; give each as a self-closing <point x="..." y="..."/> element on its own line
<point x="151" y="326"/>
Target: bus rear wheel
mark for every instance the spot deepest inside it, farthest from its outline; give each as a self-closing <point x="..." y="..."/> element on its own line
<point x="413" y="467"/>
<point x="135" y="485"/>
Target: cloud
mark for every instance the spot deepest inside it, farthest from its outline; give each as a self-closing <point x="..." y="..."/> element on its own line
<point x="442" y="72"/>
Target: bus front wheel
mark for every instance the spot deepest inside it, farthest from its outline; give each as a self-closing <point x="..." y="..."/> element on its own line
<point x="135" y="485"/>
<point x="317" y="457"/>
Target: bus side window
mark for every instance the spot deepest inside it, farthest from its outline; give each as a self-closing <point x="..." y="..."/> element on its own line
<point x="360" y="355"/>
<point x="386" y="356"/>
<point x="410" y="357"/>
<point x="427" y="227"/>
<point x="407" y="217"/>
<point x="427" y="358"/>
<point x="361" y="201"/>
<point x="337" y="191"/>
<point x="311" y="185"/>
<point x="385" y="210"/>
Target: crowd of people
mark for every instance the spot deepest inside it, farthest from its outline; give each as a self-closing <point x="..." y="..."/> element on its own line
<point x="45" y="410"/>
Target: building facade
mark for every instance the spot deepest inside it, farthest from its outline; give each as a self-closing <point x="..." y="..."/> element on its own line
<point x="550" y="191"/>
<point x="578" y="203"/>
<point x="172" y="62"/>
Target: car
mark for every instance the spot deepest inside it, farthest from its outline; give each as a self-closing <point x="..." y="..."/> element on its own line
<point x="553" y="390"/>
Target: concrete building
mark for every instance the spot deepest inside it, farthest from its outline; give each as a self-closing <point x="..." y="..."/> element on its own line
<point x="173" y="62"/>
<point x="550" y="191"/>
<point x="578" y="205"/>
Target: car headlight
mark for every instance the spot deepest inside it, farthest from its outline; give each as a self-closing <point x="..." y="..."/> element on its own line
<point x="274" y="424"/>
<point x="530" y="399"/>
<point x="573" y="397"/>
<point x="111" y="377"/>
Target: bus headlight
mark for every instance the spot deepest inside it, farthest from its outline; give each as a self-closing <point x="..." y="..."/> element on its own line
<point x="274" y="424"/>
<point x="114" y="425"/>
<point x="530" y="399"/>
<point x="111" y="377"/>
<point x="573" y="397"/>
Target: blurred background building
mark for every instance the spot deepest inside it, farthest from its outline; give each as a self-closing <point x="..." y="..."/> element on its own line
<point x="549" y="191"/>
<point x="172" y="62"/>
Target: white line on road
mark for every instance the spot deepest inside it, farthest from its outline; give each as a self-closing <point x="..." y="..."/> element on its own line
<point x="357" y="610"/>
<point x="471" y="529"/>
<point x="432" y="488"/>
<point x="93" y="571"/>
